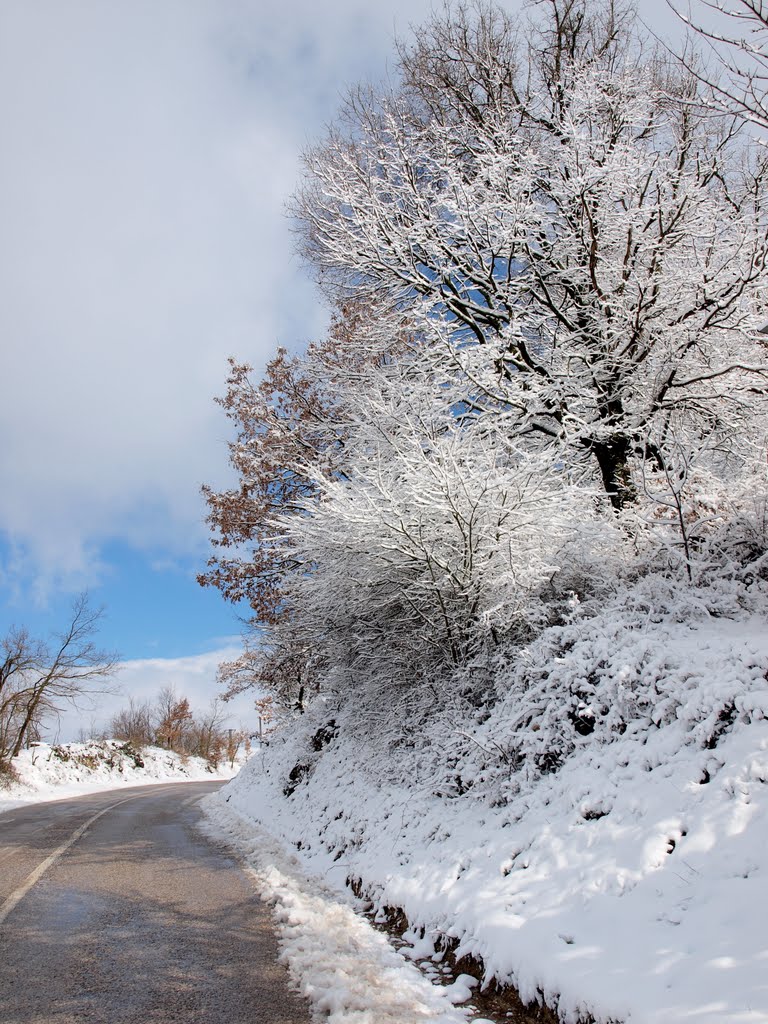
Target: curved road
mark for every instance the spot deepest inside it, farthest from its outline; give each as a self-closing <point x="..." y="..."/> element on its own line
<point x="115" y="909"/>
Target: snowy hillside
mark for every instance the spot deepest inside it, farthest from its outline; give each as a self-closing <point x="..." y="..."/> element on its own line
<point x="53" y="772"/>
<point x="597" y="838"/>
<point x="503" y="530"/>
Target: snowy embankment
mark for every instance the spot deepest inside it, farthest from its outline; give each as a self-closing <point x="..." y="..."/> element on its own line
<point x="598" y="837"/>
<point x="348" y="970"/>
<point x="55" y="772"/>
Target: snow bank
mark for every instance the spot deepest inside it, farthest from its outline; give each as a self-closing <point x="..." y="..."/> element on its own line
<point x="347" y="969"/>
<point x="599" y="837"/>
<point x="56" y="772"/>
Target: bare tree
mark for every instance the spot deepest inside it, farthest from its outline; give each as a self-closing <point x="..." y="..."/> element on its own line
<point x="38" y="679"/>
<point x="134" y="724"/>
<point x="206" y="732"/>
<point x="737" y="34"/>
<point x="234" y="738"/>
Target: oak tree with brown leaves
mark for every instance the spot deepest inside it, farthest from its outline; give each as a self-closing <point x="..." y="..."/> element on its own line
<point x="289" y="427"/>
<point x="174" y="719"/>
<point x="291" y="430"/>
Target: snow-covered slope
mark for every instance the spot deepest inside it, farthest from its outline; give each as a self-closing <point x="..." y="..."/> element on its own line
<point x="347" y="969"/>
<point x="55" y="772"/>
<point x="598" y="837"/>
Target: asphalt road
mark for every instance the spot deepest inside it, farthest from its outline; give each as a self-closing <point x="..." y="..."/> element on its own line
<point x="115" y="909"/>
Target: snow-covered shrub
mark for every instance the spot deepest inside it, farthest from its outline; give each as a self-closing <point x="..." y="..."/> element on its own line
<point x="443" y="543"/>
<point x="8" y="775"/>
<point x="624" y="672"/>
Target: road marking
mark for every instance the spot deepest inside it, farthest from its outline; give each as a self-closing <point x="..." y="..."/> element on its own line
<point x="18" y="894"/>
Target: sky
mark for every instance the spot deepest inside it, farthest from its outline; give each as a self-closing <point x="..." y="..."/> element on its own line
<point x="149" y="149"/>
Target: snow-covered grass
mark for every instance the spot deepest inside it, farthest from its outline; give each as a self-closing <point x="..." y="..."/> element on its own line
<point x="597" y="836"/>
<point x="47" y="772"/>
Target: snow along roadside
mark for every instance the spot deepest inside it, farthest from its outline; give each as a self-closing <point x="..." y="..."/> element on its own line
<point x="346" y="969"/>
<point x="97" y="767"/>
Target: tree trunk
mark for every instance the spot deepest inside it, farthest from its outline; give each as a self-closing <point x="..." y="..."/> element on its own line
<point x="29" y="717"/>
<point x="613" y="459"/>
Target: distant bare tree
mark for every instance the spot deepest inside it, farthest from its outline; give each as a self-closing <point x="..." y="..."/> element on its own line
<point x="85" y="734"/>
<point x="206" y="732"/>
<point x="235" y="737"/>
<point x="38" y="678"/>
<point x="170" y="723"/>
<point x="134" y="724"/>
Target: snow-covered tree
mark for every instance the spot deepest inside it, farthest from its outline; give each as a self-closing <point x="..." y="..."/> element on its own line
<point x="736" y="33"/>
<point x="290" y="427"/>
<point x="548" y="374"/>
<point x="440" y="547"/>
<point x="291" y="434"/>
<point x="561" y="223"/>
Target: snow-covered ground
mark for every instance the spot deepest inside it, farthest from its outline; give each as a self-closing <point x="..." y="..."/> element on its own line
<point x="56" y="772"/>
<point x="617" y="869"/>
<point x="347" y="969"/>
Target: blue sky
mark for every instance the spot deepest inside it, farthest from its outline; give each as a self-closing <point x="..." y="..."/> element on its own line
<point x="152" y="608"/>
<point x="149" y="149"/>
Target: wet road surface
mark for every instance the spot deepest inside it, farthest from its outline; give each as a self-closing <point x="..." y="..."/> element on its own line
<point x="115" y="909"/>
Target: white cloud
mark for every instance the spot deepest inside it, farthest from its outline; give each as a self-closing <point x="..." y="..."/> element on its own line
<point x="141" y="194"/>
<point x="148" y="150"/>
